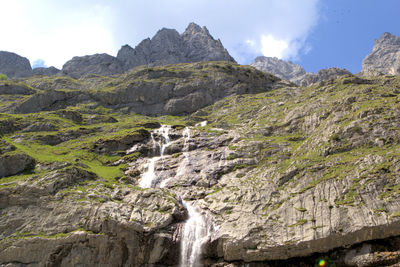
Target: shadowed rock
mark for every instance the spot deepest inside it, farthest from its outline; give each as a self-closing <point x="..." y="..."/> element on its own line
<point x="14" y="66"/>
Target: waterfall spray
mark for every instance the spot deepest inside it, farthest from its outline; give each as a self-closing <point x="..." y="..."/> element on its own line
<point x="195" y="232"/>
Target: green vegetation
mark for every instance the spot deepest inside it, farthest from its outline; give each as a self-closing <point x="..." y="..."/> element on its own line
<point x="3" y="77"/>
<point x="301" y="209"/>
<point x="298" y="223"/>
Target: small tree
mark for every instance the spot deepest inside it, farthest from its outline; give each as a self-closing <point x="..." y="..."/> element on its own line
<point x="3" y="77"/>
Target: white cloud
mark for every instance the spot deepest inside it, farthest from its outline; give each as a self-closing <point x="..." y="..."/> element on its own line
<point x="271" y="47"/>
<point x="58" y="30"/>
<point x="44" y="30"/>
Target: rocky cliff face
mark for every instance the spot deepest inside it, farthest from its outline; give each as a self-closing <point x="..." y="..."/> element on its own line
<point x="284" y="176"/>
<point x="384" y="58"/>
<point x="169" y="47"/>
<point x="101" y="64"/>
<point x="295" y="73"/>
<point x="175" y="89"/>
<point x="14" y="66"/>
<point x="166" y="47"/>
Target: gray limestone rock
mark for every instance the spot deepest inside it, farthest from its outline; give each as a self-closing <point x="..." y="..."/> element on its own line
<point x="323" y="75"/>
<point x="384" y="58"/>
<point x="295" y="73"/>
<point x="14" y="66"/>
<point x="280" y="68"/>
<point x="169" y="47"/>
<point x="50" y="71"/>
<point x="178" y="90"/>
<point x="201" y="46"/>
<point x="166" y="47"/>
<point x="102" y="64"/>
<point x="14" y="164"/>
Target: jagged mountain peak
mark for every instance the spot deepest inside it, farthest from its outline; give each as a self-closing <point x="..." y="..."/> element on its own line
<point x="388" y="38"/>
<point x="384" y="57"/>
<point x="193" y="29"/>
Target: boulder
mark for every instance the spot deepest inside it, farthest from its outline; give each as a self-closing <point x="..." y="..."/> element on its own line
<point x="11" y="164"/>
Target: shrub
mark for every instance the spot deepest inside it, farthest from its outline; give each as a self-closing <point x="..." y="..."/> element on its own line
<point x="3" y="77"/>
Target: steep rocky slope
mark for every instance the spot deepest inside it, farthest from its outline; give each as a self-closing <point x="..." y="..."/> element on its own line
<point x="384" y="57"/>
<point x="174" y="89"/>
<point x="285" y="176"/>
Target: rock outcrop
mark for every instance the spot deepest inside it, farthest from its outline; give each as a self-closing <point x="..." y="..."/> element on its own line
<point x="323" y="75"/>
<point x="14" y="66"/>
<point x="50" y="71"/>
<point x="173" y="89"/>
<point x="384" y="58"/>
<point x="295" y="73"/>
<point x="280" y="68"/>
<point x="169" y="47"/>
<point x="11" y="164"/>
<point x="101" y="64"/>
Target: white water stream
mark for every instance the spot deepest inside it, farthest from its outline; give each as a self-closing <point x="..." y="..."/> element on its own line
<point x="194" y="236"/>
<point x="195" y="232"/>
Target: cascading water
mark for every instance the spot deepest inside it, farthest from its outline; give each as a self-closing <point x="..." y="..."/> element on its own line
<point x="149" y="176"/>
<point x="195" y="232"/>
<point x="194" y="236"/>
<point x="164" y="131"/>
<point x="181" y="168"/>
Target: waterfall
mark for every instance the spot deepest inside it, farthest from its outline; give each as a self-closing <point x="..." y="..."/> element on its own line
<point x="164" y="131"/>
<point x="149" y="175"/>
<point x="194" y="236"/>
<point x="195" y="231"/>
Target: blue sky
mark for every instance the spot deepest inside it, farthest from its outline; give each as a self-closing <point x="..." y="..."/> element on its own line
<point x="313" y="33"/>
<point x="346" y="30"/>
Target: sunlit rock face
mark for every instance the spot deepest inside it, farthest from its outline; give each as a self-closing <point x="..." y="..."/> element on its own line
<point x="384" y="57"/>
<point x="169" y="47"/>
<point x="280" y="68"/>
